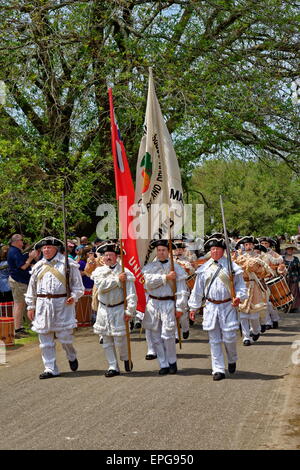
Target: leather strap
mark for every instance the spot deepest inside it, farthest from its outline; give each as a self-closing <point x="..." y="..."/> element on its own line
<point x="108" y="305"/>
<point x="218" y="301"/>
<point x="52" y="296"/>
<point x="169" y="297"/>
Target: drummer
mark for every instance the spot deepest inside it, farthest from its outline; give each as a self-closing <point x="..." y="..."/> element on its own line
<point x="182" y="259"/>
<point x="277" y="268"/>
<point x="255" y="305"/>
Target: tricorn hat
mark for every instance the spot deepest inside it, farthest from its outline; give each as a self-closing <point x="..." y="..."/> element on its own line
<point x="165" y="243"/>
<point x="109" y="245"/>
<point x="247" y="239"/>
<point x="219" y="242"/>
<point x="49" y="241"/>
<point x="260" y="248"/>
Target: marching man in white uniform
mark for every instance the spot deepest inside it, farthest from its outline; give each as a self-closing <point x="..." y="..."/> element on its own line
<point x="48" y="307"/>
<point x="111" y="318"/>
<point x="163" y="307"/>
<point x="219" y="315"/>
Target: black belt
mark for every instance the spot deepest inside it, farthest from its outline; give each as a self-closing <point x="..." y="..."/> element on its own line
<point x="218" y="301"/>
<point x="51" y="296"/>
<point x="108" y="305"/>
<point x="168" y="297"/>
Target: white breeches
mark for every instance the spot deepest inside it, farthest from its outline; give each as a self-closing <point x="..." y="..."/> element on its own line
<point x="47" y="345"/>
<point x="110" y="345"/>
<point x="271" y="314"/>
<point x="150" y="343"/>
<point x="216" y="338"/>
<point x="165" y="349"/>
<point x="246" y="323"/>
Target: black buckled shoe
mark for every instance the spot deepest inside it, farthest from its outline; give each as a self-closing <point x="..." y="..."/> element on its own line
<point x="164" y="371"/>
<point x="255" y="337"/>
<point x="232" y="368"/>
<point x="262" y="328"/>
<point x="218" y="376"/>
<point x="191" y="322"/>
<point x="176" y="340"/>
<point x="275" y="325"/>
<point x="47" y="375"/>
<point x="73" y="365"/>
<point x="128" y="365"/>
<point x="111" y="373"/>
<point x="150" y="357"/>
<point x="185" y="334"/>
<point x="247" y="342"/>
<point x="268" y="327"/>
<point x="173" y="368"/>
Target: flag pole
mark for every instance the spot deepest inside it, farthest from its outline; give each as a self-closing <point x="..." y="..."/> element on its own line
<point x="125" y="307"/>
<point x="173" y="283"/>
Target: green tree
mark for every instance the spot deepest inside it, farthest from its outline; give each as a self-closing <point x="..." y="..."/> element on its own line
<point x="223" y="72"/>
<point x="258" y="200"/>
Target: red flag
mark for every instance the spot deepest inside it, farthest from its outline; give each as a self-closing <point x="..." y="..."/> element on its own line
<point x="125" y="189"/>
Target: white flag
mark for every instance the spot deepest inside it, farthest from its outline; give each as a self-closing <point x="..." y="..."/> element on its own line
<point x="158" y="189"/>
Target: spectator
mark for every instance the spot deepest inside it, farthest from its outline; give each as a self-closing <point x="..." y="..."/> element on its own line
<point x="83" y="243"/>
<point x="83" y="256"/>
<point x="71" y="249"/>
<point x="19" y="274"/>
<point x="5" y="289"/>
<point x="293" y="275"/>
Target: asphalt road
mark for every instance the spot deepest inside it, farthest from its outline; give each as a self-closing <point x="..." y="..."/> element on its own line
<point x="142" y="410"/>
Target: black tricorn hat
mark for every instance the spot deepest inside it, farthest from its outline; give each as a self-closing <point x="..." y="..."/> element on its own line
<point x="109" y="245"/>
<point x="247" y="239"/>
<point x="49" y="241"/>
<point x="219" y="242"/>
<point x="179" y="244"/>
<point x="165" y="243"/>
<point x="260" y="248"/>
<point x="267" y="239"/>
<point x="217" y="235"/>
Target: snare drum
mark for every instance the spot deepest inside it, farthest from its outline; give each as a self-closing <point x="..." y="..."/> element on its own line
<point x="280" y="294"/>
<point x="7" y="330"/>
<point x="84" y="309"/>
<point x="6" y="309"/>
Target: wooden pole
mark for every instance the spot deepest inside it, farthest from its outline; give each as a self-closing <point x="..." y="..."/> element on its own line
<point x="173" y="283"/>
<point x="125" y="307"/>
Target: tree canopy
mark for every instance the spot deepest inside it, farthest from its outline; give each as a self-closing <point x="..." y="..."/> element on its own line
<point x="223" y="72"/>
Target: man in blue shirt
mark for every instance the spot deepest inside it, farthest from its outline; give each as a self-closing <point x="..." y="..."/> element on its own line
<point x="19" y="267"/>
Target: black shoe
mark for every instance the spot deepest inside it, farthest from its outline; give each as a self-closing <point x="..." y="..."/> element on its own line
<point x="173" y="368"/>
<point x="247" y="342"/>
<point x="218" y="376"/>
<point x="138" y="325"/>
<point x="255" y="337"/>
<point x="101" y="340"/>
<point x="262" y="328"/>
<point x="275" y="325"/>
<point x="251" y="334"/>
<point x="149" y="357"/>
<point x="128" y="366"/>
<point x="232" y="368"/>
<point x="22" y="333"/>
<point x="176" y="340"/>
<point x="268" y="327"/>
<point x="73" y="365"/>
<point x="185" y="334"/>
<point x="191" y="322"/>
<point x="47" y="375"/>
<point x="111" y="373"/>
<point x="131" y="324"/>
<point x="164" y="371"/>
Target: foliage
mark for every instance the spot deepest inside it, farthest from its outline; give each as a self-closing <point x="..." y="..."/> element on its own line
<point x="223" y="73"/>
<point x="257" y="199"/>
